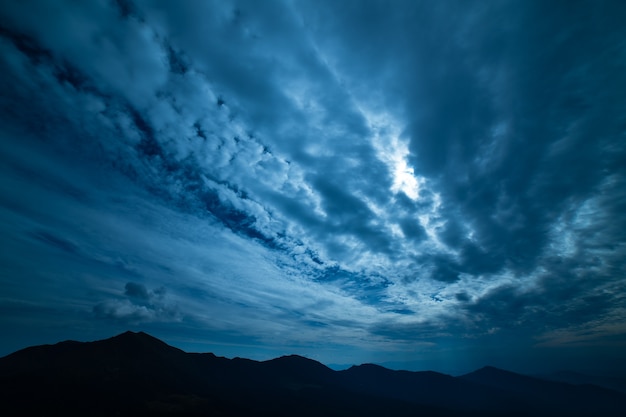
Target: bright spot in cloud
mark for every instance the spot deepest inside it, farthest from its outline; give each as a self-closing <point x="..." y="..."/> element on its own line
<point x="394" y="153"/>
<point x="404" y="178"/>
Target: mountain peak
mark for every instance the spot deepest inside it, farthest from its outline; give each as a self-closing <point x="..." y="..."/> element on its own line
<point x="130" y="334"/>
<point x="140" y="343"/>
<point x="369" y="365"/>
<point x="372" y="367"/>
<point x="297" y="360"/>
<point x="296" y="365"/>
<point x="136" y="336"/>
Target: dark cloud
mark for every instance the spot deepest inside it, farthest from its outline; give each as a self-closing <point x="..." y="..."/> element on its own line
<point x="140" y="306"/>
<point x="138" y="291"/>
<point x="510" y="171"/>
<point x="445" y="268"/>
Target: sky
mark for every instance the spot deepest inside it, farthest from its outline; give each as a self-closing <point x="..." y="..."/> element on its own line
<point x="422" y="184"/>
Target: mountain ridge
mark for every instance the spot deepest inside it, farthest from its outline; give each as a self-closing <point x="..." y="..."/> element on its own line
<point x="134" y="373"/>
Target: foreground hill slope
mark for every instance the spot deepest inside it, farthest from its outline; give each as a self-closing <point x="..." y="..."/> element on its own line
<point x="549" y="396"/>
<point x="137" y="374"/>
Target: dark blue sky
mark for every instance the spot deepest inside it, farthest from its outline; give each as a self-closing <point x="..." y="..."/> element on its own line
<point x="431" y="185"/>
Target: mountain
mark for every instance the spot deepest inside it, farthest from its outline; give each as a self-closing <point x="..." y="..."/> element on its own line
<point x="576" y="378"/>
<point x="539" y="395"/>
<point x="137" y="374"/>
<point x="428" y="388"/>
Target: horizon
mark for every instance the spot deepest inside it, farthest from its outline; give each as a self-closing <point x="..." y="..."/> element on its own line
<point x="133" y="373"/>
<point x="432" y="185"/>
<point x="341" y="367"/>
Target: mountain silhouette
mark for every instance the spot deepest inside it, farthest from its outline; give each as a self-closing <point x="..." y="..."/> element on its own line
<point x="137" y="374"/>
<point x="543" y="395"/>
<point x="577" y="378"/>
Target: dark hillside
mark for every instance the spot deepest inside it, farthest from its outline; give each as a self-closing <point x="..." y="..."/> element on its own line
<point x="137" y="374"/>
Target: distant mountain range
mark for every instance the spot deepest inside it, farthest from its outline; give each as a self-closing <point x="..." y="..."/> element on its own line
<point x="137" y="374"/>
<point x="576" y="378"/>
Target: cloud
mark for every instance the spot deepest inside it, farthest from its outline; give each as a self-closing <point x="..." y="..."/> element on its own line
<point x="137" y="291"/>
<point x="296" y="170"/>
<point x="140" y="306"/>
<point x="55" y="241"/>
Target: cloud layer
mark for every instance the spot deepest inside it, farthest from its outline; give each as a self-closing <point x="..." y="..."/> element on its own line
<point x="401" y="181"/>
